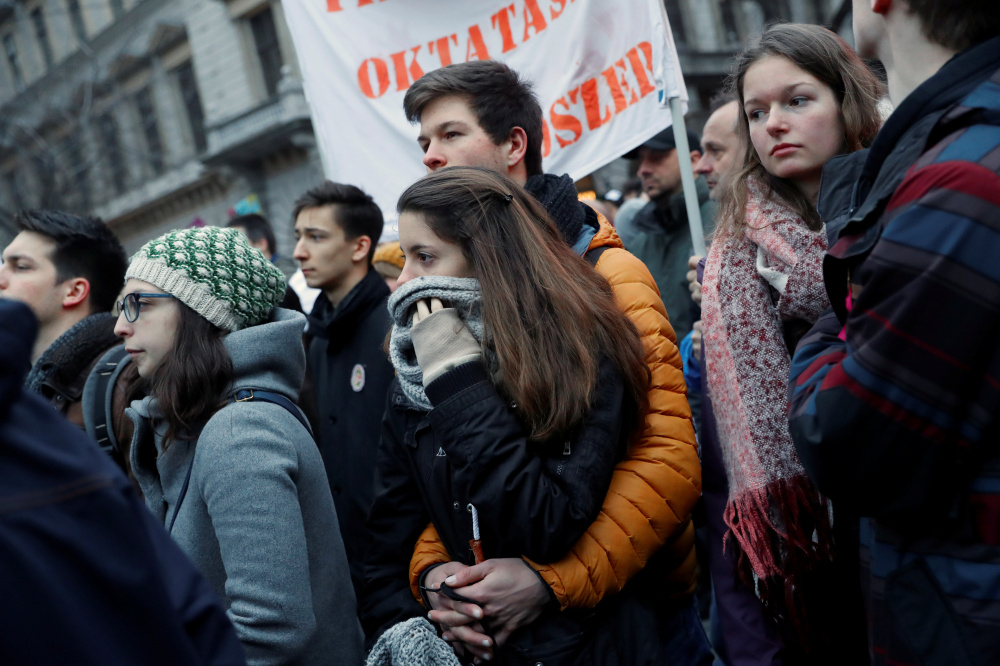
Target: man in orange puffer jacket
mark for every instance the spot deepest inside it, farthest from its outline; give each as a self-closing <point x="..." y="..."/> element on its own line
<point x="482" y="114"/>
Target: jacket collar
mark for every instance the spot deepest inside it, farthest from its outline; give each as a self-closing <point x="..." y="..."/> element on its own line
<point x="61" y="368"/>
<point x="938" y="106"/>
<point x="337" y="324"/>
<point x="653" y="219"/>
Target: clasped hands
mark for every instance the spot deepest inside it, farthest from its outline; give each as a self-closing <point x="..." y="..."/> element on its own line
<point x="508" y="595"/>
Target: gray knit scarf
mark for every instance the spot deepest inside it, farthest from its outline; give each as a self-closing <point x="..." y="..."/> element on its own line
<point x="412" y="643"/>
<point x="459" y="293"/>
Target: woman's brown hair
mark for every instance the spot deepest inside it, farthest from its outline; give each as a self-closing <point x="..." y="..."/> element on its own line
<point x="548" y="316"/>
<point x="822" y="53"/>
<point x="190" y="383"/>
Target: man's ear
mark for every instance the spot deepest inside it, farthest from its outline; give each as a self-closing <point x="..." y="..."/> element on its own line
<point x="695" y="156"/>
<point x="881" y="6"/>
<point x="518" y="140"/>
<point x="75" y="292"/>
<point x="362" y="244"/>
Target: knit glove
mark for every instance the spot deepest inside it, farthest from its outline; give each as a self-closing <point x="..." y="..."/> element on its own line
<point x="441" y="342"/>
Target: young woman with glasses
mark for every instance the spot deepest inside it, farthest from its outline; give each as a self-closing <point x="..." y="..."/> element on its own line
<point x="221" y="453"/>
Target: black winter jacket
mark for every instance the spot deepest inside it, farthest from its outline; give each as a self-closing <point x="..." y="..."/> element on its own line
<point x="87" y="576"/>
<point x="532" y="499"/>
<point x="351" y="376"/>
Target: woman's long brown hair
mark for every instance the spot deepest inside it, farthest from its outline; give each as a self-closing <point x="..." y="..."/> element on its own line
<point x="825" y="55"/>
<point x="191" y="381"/>
<point x="548" y="316"/>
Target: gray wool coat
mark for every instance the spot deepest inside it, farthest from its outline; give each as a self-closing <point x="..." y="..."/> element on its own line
<point x="258" y="519"/>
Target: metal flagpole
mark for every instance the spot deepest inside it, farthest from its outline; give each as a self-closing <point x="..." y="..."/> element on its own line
<point x="687" y="176"/>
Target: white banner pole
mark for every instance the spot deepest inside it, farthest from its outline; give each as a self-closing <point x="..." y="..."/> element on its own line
<point x="687" y="176"/>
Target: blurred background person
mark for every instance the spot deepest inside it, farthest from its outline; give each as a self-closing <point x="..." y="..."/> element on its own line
<point x="261" y="236"/>
<point x="659" y="234"/>
<point x="388" y="261"/>
<point x="68" y="269"/>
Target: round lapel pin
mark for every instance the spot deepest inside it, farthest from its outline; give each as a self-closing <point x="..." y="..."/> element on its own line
<point x="358" y="378"/>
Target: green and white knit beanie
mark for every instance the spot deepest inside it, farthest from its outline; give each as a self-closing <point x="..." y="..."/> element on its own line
<point x="215" y="272"/>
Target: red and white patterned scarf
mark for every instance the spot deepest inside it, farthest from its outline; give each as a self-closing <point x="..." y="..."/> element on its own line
<point x="754" y="282"/>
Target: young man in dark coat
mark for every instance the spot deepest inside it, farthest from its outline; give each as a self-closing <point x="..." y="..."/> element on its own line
<point x="895" y="400"/>
<point x="68" y="270"/>
<point x="337" y="228"/>
<point x="87" y="576"/>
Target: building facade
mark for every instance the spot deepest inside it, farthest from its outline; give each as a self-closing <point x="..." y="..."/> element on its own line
<point x="155" y="114"/>
<point x="152" y="114"/>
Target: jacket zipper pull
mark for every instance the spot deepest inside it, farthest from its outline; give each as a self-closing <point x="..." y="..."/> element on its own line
<point x="476" y="544"/>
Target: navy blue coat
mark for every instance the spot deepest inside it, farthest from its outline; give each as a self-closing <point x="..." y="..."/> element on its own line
<point x="87" y="575"/>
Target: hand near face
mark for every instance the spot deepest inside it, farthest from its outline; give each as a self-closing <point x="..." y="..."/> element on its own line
<point x="441" y="340"/>
<point x="426" y="309"/>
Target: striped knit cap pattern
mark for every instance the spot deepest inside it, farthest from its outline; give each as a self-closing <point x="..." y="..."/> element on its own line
<point x="215" y="272"/>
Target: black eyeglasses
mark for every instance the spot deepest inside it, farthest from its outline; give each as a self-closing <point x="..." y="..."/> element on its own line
<point x="130" y="304"/>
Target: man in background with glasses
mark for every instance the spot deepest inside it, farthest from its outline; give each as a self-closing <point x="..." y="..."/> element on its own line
<point x="68" y="270"/>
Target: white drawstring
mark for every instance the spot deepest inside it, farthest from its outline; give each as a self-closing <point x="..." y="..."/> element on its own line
<point x="475" y="522"/>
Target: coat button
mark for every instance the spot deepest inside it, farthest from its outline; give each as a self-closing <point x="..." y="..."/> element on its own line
<point x="456" y="506"/>
<point x="337" y="490"/>
<point x="332" y="418"/>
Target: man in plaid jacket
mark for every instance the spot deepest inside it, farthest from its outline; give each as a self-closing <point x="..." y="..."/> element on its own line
<point x="895" y="394"/>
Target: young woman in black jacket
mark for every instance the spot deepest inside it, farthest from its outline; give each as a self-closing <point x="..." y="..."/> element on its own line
<point x="519" y="383"/>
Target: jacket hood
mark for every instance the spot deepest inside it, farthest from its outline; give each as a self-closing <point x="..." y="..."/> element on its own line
<point x="18" y="329"/>
<point x="270" y="356"/>
<point x="606" y="235"/>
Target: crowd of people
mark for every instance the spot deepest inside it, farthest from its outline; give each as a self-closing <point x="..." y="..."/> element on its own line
<point x="522" y="434"/>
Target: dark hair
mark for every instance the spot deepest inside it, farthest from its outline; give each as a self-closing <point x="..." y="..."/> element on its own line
<point x="723" y="96"/>
<point x="191" y="381"/>
<point x="257" y="228"/>
<point x="959" y="24"/>
<point x="355" y="212"/>
<point x="85" y="248"/>
<point x="547" y="315"/>
<point x="500" y="98"/>
<point x="826" y="56"/>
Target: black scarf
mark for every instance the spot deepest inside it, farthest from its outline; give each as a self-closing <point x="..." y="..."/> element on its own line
<point x="557" y="194"/>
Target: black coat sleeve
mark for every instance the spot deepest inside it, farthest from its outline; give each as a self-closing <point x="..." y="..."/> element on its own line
<point x="396" y="519"/>
<point x="532" y="500"/>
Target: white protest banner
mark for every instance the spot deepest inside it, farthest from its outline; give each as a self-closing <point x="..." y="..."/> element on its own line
<point x="602" y="69"/>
